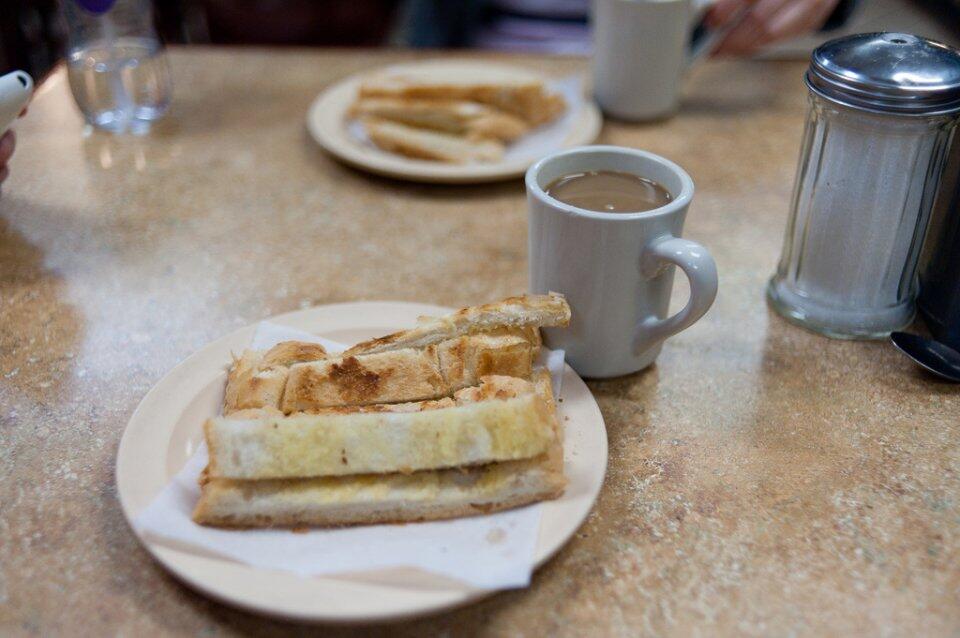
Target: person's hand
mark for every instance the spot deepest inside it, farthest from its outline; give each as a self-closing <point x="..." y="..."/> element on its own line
<point x="7" y="143"/>
<point x="766" y="22"/>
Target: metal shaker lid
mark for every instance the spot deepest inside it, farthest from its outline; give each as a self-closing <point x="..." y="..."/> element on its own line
<point x="888" y="72"/>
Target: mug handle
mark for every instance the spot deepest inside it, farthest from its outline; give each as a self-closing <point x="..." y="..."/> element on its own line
<point x="699" y="267"/>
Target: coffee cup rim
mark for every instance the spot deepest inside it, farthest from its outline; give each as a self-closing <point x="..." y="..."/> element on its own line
<point x="681" y="200"/>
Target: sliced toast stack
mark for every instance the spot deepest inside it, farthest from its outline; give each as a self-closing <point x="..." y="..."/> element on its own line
<point x="438" y="114"/>
<point x="447" y="419"/>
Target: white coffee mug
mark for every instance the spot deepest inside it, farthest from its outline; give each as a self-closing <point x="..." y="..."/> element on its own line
<point x="641" y="49"/>
<point x="614" y="268"/>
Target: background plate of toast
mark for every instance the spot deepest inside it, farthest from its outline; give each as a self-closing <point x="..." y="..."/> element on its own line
<point x="561" y="118"/>
<point x="166" y="429"/>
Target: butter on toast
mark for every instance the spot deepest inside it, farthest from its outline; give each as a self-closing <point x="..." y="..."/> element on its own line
<point x="500" y="420"/>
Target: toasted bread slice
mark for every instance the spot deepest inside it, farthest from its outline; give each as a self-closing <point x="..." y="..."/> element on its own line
<point x="371" y="499"/>
<point x="457" y="117"/>
<point x="388" y="377"/>
<point x="388" y="498"/>
<point x="256" y="379"/>
<point x="524" y="312"/>
<point x="249" y="386"/>
<point x="502" y="419"/>
<point x="431" y="145"/>
<point x="519" y="94"/>
<point x="464" y="360"/>
<point x="408" y="374"/>
<point x="261" y="380"/>
<point x="497" y="125"/>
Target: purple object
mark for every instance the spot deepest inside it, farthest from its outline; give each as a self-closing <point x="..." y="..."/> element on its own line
<point x="96" y="6"/>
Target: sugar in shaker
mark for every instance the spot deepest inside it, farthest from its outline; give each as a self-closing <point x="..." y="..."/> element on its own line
<point x="882" y="111"/>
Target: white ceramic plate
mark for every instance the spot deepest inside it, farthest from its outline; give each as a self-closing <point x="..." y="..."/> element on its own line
<point x="166" y="428"/>
<point x="327" y="122"/>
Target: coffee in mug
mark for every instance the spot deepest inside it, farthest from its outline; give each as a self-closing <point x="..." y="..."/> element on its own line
<point x="609" y="192"/>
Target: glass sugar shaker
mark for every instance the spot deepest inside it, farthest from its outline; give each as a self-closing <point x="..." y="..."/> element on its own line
<point x="882" y="111"/>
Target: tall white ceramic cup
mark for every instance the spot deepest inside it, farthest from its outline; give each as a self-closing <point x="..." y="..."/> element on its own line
<point x="614" y="268"/>
<point x="641" y="49"/>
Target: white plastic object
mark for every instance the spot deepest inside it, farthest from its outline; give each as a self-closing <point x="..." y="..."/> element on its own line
<point x="15" y="91"/>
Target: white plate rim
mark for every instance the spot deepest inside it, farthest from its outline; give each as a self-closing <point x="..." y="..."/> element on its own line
<point x="170" y="396"/>
<point x="325" y="122"/>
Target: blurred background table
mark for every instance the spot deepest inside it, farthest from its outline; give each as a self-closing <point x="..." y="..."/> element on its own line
<point x="762" y="480"/>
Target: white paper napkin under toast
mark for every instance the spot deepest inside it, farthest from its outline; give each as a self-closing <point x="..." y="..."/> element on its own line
<point x="487" y="552"/>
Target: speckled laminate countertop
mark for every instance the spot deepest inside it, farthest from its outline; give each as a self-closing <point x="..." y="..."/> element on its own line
<point x="762" y="480"/>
